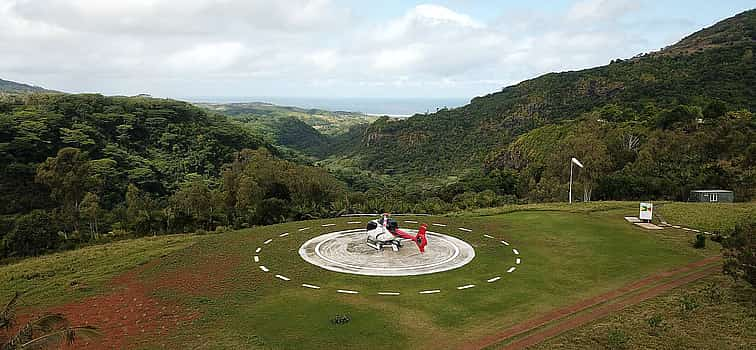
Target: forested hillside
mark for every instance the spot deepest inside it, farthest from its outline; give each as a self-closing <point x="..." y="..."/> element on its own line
<point x="306" y="131"/>
<point x="694" y="99"/>
<point x="326" y="122"/>
<point x="640" y="89"/>
<point x="77" y="168"/>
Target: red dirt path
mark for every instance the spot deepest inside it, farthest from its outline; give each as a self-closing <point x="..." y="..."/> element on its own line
<point x="602" y="311"/>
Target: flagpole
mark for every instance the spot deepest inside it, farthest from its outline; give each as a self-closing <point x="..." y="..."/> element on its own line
<point x="571" y="164"/>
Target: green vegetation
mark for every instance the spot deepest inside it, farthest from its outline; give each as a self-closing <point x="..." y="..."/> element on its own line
<point x="654" y="126"/>
<point x="718" y="218"/>
<point x="325" y="122"/>
<point x="555" y="244"/>
<point x="309" y="131"/>
<point x="62" y="277"/>
<point x="76" y="169"/>
<point x="83" y="168"/>
<point x="740" y="252"/>
<point x="723" y="318"/>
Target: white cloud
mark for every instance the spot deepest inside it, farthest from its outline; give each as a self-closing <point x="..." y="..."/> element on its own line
<point x="261" y="47"/>
<point x="206" y="57"/>
<point x="401" y="59"/>
<point x="593" y="10"/>
<point x="325" y="60"/>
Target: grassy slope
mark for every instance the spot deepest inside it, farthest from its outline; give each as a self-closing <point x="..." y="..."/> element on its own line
<point x="724" y="318"/>
<point x="47" y="280"/>
<point x="569" y="253"/>
<point x="566" y="257"/>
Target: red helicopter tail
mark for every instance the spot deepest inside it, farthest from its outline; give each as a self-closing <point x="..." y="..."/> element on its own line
<point x="420" y="238"/>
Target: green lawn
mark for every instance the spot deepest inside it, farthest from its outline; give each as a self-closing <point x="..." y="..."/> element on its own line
<point x="568" y="254"/>
<point x="566" y="257"/>
<point x="715" y="217"/>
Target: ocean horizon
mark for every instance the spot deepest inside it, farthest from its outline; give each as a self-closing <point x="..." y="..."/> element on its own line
<point x="393" y="107"/>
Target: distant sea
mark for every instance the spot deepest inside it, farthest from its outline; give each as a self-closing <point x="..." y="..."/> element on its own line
<point x="396" y="107"/>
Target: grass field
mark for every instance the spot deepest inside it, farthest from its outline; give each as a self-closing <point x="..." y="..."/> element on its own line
<point x="568" y="254"/>
<point x="715" y="217"/>
<point x="713" y="313"/>
<point x="62" y="277"/>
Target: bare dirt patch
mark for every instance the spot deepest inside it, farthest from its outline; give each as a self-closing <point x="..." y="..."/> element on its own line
<point x="127" y="316"/>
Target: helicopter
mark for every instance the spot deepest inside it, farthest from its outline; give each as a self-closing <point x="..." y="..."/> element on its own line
<point x="385" y="231"/>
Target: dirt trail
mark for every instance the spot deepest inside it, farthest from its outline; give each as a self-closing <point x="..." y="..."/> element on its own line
<point x="594" y="302"/>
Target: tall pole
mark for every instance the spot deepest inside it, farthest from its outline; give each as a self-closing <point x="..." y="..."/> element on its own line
<point x="571" y="164"/>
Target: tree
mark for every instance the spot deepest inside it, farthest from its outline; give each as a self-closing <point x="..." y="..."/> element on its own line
<point x="680" y="115"/>
<point x="90" y="211"/>
<point x="740" y="252"/>
<point x="195" y="202"/>
<point x="587" y="146"/>
<point x="33" y="234"/>
<point x="68" y="177"/>
<point x="715" y="109"/>
<point x="142" y="211"/>
<point x="248" y="197"/>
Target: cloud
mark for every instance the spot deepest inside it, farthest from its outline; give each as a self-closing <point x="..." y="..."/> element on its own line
<point x="206" y="57"/>
<point x="400" y="59"/>
<point x="597" y="10"/>
<point x="298" y="47"/>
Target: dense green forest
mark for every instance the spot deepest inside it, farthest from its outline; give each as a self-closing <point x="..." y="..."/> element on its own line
<point x="83" y="168"/>
<point x="77" y="168"/>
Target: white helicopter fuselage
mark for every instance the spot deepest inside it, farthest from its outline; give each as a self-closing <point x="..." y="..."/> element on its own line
<point x="379" y="236"/>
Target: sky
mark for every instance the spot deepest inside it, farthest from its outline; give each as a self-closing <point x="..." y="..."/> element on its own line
<point x="329" y="48"/>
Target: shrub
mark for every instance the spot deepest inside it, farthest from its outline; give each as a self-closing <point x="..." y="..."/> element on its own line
<point x="34" y="234"/>
<point x="617" y="339"/>
<point x="740" y="252"/>
<point x="655" y="323"/>
<point x="688" y="304"/>
<point x="700" y="241"/>
<point x="714" y="293"/>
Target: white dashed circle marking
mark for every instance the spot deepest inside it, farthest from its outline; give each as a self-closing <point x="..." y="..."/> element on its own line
<point x="511" y="269"/>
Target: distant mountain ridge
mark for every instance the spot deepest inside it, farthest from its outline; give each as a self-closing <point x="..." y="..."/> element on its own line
<point x="325" y="121"/>
<point x="303" y="129"/>
<point x="8" y="86"/>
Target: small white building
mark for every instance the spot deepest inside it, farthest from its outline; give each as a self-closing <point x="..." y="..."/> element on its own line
<point x="712" y="196"/>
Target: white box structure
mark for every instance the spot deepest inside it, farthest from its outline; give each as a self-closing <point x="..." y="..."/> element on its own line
<point x="646" y="211"/>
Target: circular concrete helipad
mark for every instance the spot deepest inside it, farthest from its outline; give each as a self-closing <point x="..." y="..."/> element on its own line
<point x="346" y="251"/>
